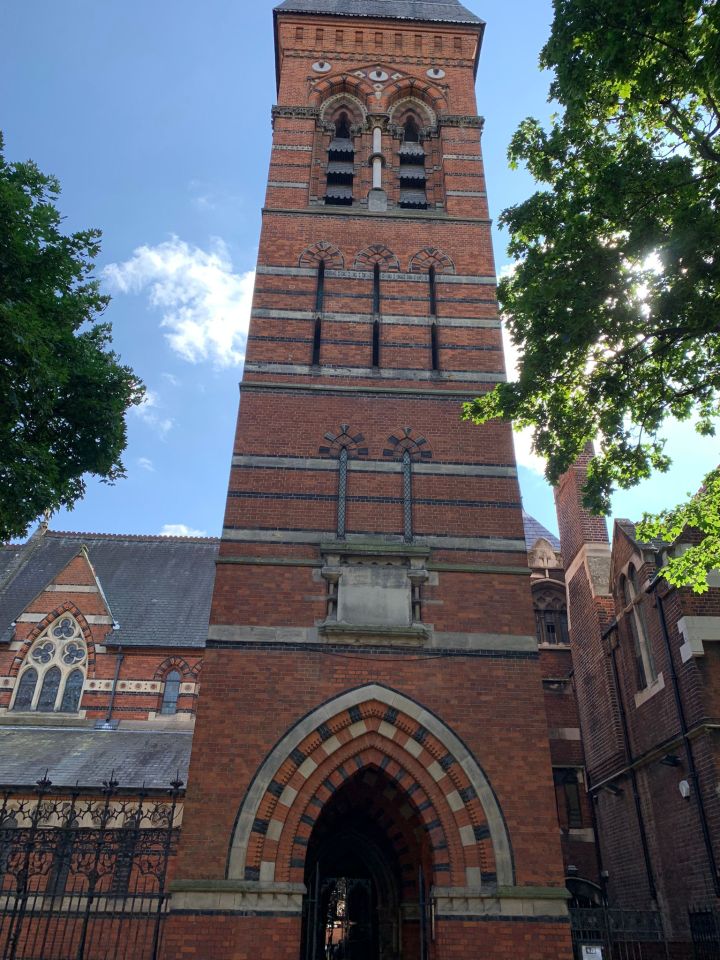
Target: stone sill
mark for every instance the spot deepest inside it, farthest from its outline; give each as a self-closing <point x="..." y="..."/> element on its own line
<point x="642" y="696"/>
<point x="369" y="635"/>
<point x="373" y="548"/>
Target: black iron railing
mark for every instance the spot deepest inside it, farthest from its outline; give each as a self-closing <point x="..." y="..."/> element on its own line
<point x="84" y="877"/>
<point x="705" y="932"/>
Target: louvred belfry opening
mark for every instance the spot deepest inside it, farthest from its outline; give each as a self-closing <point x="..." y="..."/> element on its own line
<point x="340" y="164"/>
<point x="370" y="775"/>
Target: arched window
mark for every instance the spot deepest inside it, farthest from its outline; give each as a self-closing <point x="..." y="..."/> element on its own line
<point x="551" y="625"/>
<point x="412" y="134"/>
<point x="171" y="693"/>
<point x="340" y="165"/>
<point x="26" y="690"/>
<point x="49" y="690"/>
<point x="73" y="692"/>
<point x="407" y="450"/>
<point x="413" y="177"/>
<point x="54" y="678"/>
<point x="634" y="600"/>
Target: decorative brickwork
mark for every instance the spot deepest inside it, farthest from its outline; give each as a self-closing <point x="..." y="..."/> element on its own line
<point x="372" y="709"/>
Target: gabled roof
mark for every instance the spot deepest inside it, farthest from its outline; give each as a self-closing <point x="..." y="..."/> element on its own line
<point x="534" y="530"/>
<point x="436" y="11"/>
<point x="158" y="588"/>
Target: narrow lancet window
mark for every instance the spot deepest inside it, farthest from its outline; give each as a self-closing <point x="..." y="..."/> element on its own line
<point x="342" y="494"/>
<point x="407" y="496"/>
<point x="320" y="288"/>
<point x="406" y="449"/>
<point x="171" y="693"/>
<point x="26" y="690"/>
<point x="376" y="288"/>
<point x="376" y="343"/>
<point x="434" y="351"/>
<point x="432" y="283"/>
<point x="317" y="341"/>
<point x="343" y="446"/>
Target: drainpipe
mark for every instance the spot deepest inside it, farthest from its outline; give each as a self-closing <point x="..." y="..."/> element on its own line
<point x="630" y="761"/>
<point x="118" y="663"/>
<point x="689" y="753"/>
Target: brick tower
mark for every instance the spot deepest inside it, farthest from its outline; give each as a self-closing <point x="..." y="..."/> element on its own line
<point x="370" y="774"/>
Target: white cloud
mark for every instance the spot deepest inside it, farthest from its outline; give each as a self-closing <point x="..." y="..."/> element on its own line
<point x="180" y="530"/>
<point x="172" y="380"/>
<point x="146" y="464"/>
<point x="205" y="305"/>
<point x="148" y="412"/>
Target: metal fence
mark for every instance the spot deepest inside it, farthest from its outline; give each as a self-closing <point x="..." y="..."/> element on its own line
<point x="604" y="933"/>
<point x="84" y="878"/>
<point x="705" y="932"/>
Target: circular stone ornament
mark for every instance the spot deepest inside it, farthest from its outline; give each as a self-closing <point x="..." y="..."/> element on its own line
<point x="436" y="73"/>
<point x="322" y="66"/>
<point x="378" y="75"/>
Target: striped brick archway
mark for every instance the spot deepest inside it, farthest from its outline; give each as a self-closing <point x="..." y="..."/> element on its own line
<point x="372" y="727"/>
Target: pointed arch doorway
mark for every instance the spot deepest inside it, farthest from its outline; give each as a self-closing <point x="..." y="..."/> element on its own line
<point x="367" y="861"/>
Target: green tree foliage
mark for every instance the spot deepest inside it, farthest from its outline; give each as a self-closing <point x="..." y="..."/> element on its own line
<point x="614" y="302"/>
<point x="63" y="393"/>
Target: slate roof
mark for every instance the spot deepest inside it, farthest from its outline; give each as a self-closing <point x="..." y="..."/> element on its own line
<point x="534" y="530"/>
<point x="158" y="588"/>
<point x="88" y="757"/>
<point x="440" y="11"/>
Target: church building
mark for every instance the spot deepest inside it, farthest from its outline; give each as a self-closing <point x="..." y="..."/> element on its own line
<point x="355" y="727"/>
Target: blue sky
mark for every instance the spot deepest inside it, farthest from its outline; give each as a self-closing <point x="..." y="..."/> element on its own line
<point x="156" y="118"/>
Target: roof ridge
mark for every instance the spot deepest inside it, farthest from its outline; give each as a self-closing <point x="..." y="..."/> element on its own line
<point x="432" y="11"/>
<point x="136" y="537"/>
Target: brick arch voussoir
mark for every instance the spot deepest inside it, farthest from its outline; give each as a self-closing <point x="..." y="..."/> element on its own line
<point x="431" y="257"/>
<point x="314" y="774"/>
<point x="67" y="606"/>
<point x="380" y="254"/>
<point x="370" y="752"/>
<point x="322" y="251"/>
<point x="434" y="751"/>
<point x="412" y="88"/>
<point x="175" y="663"/>
<point x="335" y="86"/>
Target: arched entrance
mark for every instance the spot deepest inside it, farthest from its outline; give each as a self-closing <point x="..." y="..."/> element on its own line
<point x="367" y="861"/>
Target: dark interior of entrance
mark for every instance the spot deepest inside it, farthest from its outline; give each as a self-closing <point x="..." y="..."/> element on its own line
<point x="367" y="872"/>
